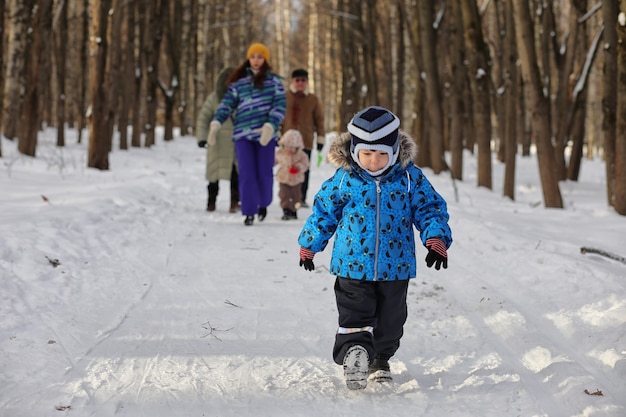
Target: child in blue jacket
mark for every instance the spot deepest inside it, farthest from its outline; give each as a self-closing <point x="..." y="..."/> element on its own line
<point x="371" y="204"/>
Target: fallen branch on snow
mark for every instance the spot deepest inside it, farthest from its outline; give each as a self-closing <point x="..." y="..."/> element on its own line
<point x="609" y="255"/>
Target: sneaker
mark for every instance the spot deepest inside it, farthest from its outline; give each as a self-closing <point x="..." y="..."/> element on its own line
<point x="356" y="367"/>
<point x="379" y="370"/>
<point x="249" y="220"/>
<point x="262" y="213"/>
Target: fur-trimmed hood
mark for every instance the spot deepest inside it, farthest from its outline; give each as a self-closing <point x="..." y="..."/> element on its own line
<point x="340" y="156"/>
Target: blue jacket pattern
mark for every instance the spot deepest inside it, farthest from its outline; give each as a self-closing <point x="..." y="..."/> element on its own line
<point x="251" y="107"/>
<point x="372" y="219"/>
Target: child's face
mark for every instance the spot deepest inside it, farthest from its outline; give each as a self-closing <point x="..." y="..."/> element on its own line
<point x="256" y="61"/>
<point x="373" y="160"/>
<point x="290" y="149"/>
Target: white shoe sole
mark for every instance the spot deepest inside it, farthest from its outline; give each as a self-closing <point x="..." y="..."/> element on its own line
<point x="356" y="367"/>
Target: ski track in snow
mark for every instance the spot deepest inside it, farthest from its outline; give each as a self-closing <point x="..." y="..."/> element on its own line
<point x="197" y="333"/>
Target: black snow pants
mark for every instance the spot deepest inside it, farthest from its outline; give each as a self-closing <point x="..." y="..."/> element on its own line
<point x="371" y="314"/>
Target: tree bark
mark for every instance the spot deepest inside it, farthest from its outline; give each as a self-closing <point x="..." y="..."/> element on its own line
<point x="99" y="138"/>
<point x="538" y="103"/>
<point x="510" y="101"/>
<point x="433" y="105"/>
<point x="610" y="10"/>
<point x="29" y="117"/>
<point x="478" y="68"/>
<point x="14" y="84"/>
<point x="619" y="200"/>
<point x="60" y="32"/>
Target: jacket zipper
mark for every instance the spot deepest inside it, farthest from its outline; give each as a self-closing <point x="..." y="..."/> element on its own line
<point x="378" y="192"/>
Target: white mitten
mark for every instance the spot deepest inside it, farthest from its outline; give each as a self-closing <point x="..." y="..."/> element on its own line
<point x="266" y="134"/>
<point x="213" y="128"/>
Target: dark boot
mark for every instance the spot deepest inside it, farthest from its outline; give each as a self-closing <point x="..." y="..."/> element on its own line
<point x="234" y="191"/>
<point x="249" y="220"/>
<point x="213" y="188"/>
<point x="289" y="215"/>
<point x="262" y="213"/>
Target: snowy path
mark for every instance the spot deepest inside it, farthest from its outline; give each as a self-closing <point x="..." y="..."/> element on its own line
<point x="159" y="309"/>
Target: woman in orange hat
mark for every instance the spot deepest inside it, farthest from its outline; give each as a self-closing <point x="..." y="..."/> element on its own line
<point x="256" y="102"/>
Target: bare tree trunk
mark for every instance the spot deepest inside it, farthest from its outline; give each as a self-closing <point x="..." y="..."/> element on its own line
<point x="60" y="31"/>
<point x="510" y="101"/>
<point x="156" y="11"/>
<point x="539" y="103"/>
<point x="201" y="51"/>
<point x="127" y="72"/>
<point x="478" y="56"/>
<point x="172" y="23"/>
<point x="2" y="30"/>
<point x="456" y="90"/>
<point x="619" y="201"/>
<point x="434" y="109"/>
<point x="14" y="85"/>
<point x="610" y="10"/>
<point x="99" y="139"/>
<point x="139" y="73"/>
<point x="396" y="21"/>
<point x="281" y="63"/>
<point x="114" y="73"/>
<point x="186" y="46"/>
<point x="84" y="67"/>
<point x="368" y="44"/>
<point x="29" y="118"/>
<point x="350" y="91"/>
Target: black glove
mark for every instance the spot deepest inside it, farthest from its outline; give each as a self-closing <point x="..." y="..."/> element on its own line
<point x="202" y="144"/>
<point x="320" y="146"/>
<point x="306" y="259"/>
<point x="437" y="254"/>
<point x="307" y="264"/>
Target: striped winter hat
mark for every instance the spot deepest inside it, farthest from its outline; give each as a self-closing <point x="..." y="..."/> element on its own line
<point x="375" y="128"/>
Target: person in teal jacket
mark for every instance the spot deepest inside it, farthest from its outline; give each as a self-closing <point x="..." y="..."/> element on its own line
<point x="371" y="205"/>
<point x="256" y="102"/>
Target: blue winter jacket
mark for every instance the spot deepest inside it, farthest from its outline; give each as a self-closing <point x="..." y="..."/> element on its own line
<point x="251" y="107"/>
<point x="372" y="219"/>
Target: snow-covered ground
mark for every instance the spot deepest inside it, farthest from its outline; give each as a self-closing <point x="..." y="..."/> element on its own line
<point x="122" y="296"/>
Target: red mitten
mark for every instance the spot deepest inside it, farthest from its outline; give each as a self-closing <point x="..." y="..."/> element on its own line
<point x="293" y="169"/>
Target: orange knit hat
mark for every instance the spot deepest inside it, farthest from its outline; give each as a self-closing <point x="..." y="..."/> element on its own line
<point x="258" y="48"/>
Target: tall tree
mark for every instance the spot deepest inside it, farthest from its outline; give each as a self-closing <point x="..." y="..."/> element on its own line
<point x="155" y="13"/>
<point x="511" y="100"/>
<point x="479" y="75"/>
<point x="610" y="10"/>
<point x="538" y="102"/>
<point x="60" y="46"/>
<point x="455" y="101"/>
<point x="35" y="66"/>
<point x="619" y="200"/>
<point x="1" y="66"/>
<point x="14" y="83"/>
<point x="139" y="16"/>
<point x="430" y="68"/>
<point x="99" y="134"/>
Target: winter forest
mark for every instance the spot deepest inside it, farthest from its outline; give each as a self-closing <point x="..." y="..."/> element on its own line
<point x="493" y="77"/>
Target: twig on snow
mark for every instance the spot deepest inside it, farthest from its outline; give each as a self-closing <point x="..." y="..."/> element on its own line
<point x="601" y="252"/>
<point x="211" y="329"/>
